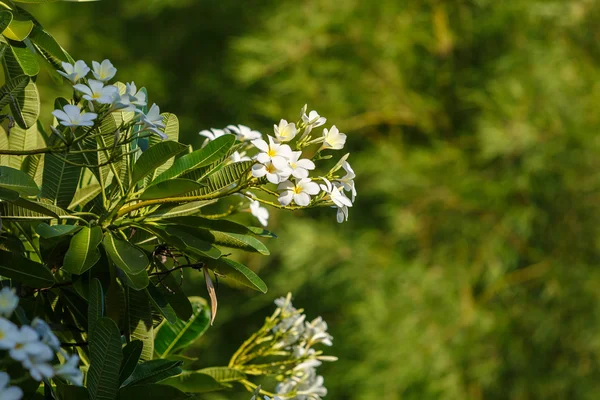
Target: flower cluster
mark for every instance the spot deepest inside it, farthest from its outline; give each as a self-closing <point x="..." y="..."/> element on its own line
<point x="100" y="98"/>
<point x="290" y="169"/>
<point x="34" y="346"/>
<point x="287" y="343"/>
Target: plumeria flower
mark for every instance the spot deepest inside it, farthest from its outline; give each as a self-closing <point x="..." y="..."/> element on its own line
<point x="29" y="345"/>
<point x="278" y="154"/>
<point x="316" y="332"/>
<point x="244" y="133"/>
<point x="333" y="139"/>
<point x="8" y="301"/>
<point x="299" y="167"/>
<point x="347" y="182"/>
<point x="9" y="392"/>
<point x="238" y="157"/>
<point x="212" y="134"/>
<point x="313" y="119"/>
<point x="38" y="365"/>
<point x="300" y="192"/>
<point x="273" y="174"/>
<point x="44" y="332"/>
<point x="71" y="116"/>
<point x="74" y="72"/>
<point x="136" y="97"/>
<point x="8" y="334"/>
<point x="338" y="197"/>
<point x="261" y="213"/>
<point x="105" y="71"/>
<point x="153" y="121"/>
<point x="70" y="370"/>
<point x="285" y="132"/>
<point x="96" y="91"/>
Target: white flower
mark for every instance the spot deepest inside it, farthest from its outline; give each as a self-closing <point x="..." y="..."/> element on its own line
<point x="285" y="132"/>
<point x="301" y="167"/>
<point x="71" y="115"/>
<point x="38" y="365"/>
<point x="29" y="345"/>
<point x="285" y="304"/>
<point x="213" y="133"/>
<point x="313" y="119"/>
<point x="96" y="91"/>
<point x="342" y="214"/>
<point x="274" y="175"/>
<point x="153" y="121"/>
<point x="74" y="72"/>
<point x="239" y="157"/>
<point x="70" y="370"/>
<point x="8" y="301"/>
<point x="9" y="392"/>
<point x="136" y="97"/>
<point x="44" y="332"/>
<point x="259" y="212"/>
<point x="244" y="133"/>
<point x="347" y="181"/>
<point x="300" y="192"/>
<point x="339" y="199"/>
<point x="276" y="153"/>
<point x="316" y="332"/>
<point x="333" y="139"/>
<point x="8" y="334"/>
<point x="105" y="71"/>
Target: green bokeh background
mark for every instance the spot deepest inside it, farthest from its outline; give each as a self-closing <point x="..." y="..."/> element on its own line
<point x="470" y="267"/>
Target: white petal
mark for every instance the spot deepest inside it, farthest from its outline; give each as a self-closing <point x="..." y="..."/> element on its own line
<point x="273" y="178"/>
<point x="306" y="164"/>
<point x="278" y="162"/>
<point x="286" y="185"/>
<point x="259" y="170"/>
<point x="302" y="199"/>
<point x="311" y="188"/>
<point x="261" y="145"/>
<point x="286" y="197"/>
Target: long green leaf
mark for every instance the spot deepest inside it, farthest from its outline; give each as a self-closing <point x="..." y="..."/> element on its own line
<point x="153" y="371"/>
<point x="19" y="181"/>
<point x="168" y="211"/>
<point x="242" y="242"/>
<point x="25" y="106"/>
<point x="220" y="225"/>
<point x="139" y="314"/>
<point x="83" y="251"/>
<point x="131" y="356"/>
<point x="171" y="188"/>
<point x="48" y="232"/>
<point x="230" y="175"/>
<point x="161" y="304"/>
<point x="223" y="374"/>
<point x="105" y="356"/>
<point x="125" y="255"/>
<point x="196" y="240"/>
<point x="215" y="150"/>
<point x="96" y="304"/>
<point x="195" y="382"/>
<point x="60" y="180"/>
<point x="25" y="210"/>
<point x="172" y="337"/>
<point x="25" y="57"/>
<point x="25" y="271"/>
<point x="154" y="157"/>
<point x="237" y="272"/>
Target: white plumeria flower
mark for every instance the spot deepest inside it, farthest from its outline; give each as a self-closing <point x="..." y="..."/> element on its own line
<point x="299" y="167"/>
<point x="96" y="91"/>
<point x="136" y="97"/>
<point x="338" y="197"/>
<point x="153" y="121"/>
<point x="8" y="334"/>
<point x="105" y="71"/>
<point x="313" y="119"/>
<point x="316" y="332"/>
<point x="29" y="345"/>
<point x="38" y="365"/>
<point x="71" y="116"/>
<point x="333" y="139"/>
<point x="276" y="153"/>
<point x="300" y="192"/>
<point x="212" y="134"/>
<point x="74" y="72"/>
<point x="238" y="157"/>
<point x="8" y="301"/>
<point x="273" y="174"/>
<point x="347" y="182"/>
<point x="70" y="370"/>
<point x="285" y="132"/>
<point x="261" y="213"/>
<point x="45" y="333"/>
<point x="342" y="214"/>
<point x="9" y="392"/>
<point x="244" y="133"/>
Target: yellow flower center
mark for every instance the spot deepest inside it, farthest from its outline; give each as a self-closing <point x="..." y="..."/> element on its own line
<point x="297" y="190"/>
<point x="2" y="335"/>
<point x="270" y="168"/>
<point x="271" y="153"/>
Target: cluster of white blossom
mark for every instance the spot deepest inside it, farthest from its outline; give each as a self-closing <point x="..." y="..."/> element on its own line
<point x="100" y="96"/>
<point x="299" y="336"/>
<point x="34" y="346"/>
<point x="290" y="170"/>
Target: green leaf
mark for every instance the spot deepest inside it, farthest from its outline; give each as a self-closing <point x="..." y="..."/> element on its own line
<point x="5" y="19"/>
<point x="242" y="242"/>
<point x="161" y="304"/>
<point x="25" y="106"/>
<point x="19" y="181"/>
<point x="12" y="88"/>
<point x="126" y="256"/>
<point x="196" y="240"/>
<point x="33" y="166"/>
<point x="229" y="175"/>
<point x="153" y="371"/>
<point x="169" y="211"/>
<point x="105" y="357"/>
<point x="155" y="157"/>
<point x="170" y="188"/>
<point x="25" y="271"/>
<point x="60" y="180"/>
<point x="24" y="210"/>
<point x="69" y="392"/>
<point x="25" y="57"/>
<point x="258" y="231"/>
<point x="139" y="315"/>
<point x="151" y="392"/>
<point x="195" y="382"/>
<point x="131" y="356"/>
<point x="172" y="131"/>
<point x="48" y="232"/>
<point x="84" y="195"/>
<point x="137" y="281"/>
<point x="49" y="48"/>
<point x="83" y="251"/>
<point x="223" y="374"/>
<point x="215" y="150"/>
<point x="235" y="271"/>
<point x="172" y="337"/>
<point x="18" y="29"/>
<point x="77" y="305"/>
<point x="221" y="225"/>
<point x="96" y="304"/>
<point x="172" y="292"/>
<point x="8" y="195"/>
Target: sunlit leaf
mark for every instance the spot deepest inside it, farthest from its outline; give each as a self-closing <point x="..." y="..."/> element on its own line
<point x="126" y="256"/>
<point x="83" y="251"/>
<point x="106" y="356"/>
<point x="155" y="157"/>
<point x="19" y="181"/>
<point x="153" y="371"/>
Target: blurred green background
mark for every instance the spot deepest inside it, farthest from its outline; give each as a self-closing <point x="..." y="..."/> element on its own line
<point x="470" y="267"/>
